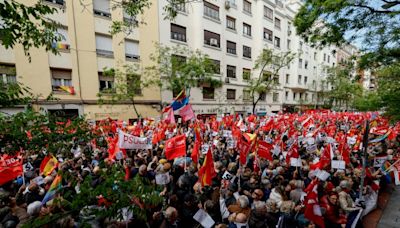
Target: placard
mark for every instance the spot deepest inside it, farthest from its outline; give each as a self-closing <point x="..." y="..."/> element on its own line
<point x="227" y="175"/>
<point x="204" y="219"/>
<point x="378" y="161"/>
<point x="338" y="164"/>
<point x="204" y="148"/>
<point x="296" y="162"/>
<point x="322" y="175"/>
<point x="127" y="141"/>
<point x="311" y="148"/>
<point x="227" y="134"/>
<point x="230" y="144"/>
<point x="162" y="178"/>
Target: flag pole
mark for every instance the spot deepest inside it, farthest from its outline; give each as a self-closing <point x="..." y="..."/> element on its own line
<point x="364" y="159"/>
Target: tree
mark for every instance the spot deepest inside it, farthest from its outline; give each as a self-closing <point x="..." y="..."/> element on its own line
<point x="12" y="94"/>
<point x="389" y="90"/>
<point x="181" y="68"/>
<point x="127" y="85"/>
<point x="369" y="101"/>
<point x="269" y="64"/>
<point x="27" y="25"/>
<point x="344" y="87"/>
<point x="375" y="24"/>
<point x="31" y="27"/>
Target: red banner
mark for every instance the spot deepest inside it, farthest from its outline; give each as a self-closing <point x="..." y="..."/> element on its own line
<point x="264" y="150"/>
<point x="244" y="149"/>
<point x="10" y="168"/>
<point x="175" y="147"/>
<point x="187" y="113"/>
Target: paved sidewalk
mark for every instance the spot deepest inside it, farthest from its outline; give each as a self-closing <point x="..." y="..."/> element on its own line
<point x="391" y="214"/>
<point x="373" y="218"/>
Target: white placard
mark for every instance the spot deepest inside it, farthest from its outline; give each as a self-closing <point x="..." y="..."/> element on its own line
<point x="227" y="134"/>
<point x="276" y="150"/>
<point x="203" y="218"/>
<point x="351" y="140"/>
<point x="215" y="142"/>
<point x="162" y="178"/>
<point x="323" y="175"/>
<point x="378" y="161"/>
<point x="227" y="175"/>
<point x="38" y="180"/>
<point x="230" y="144"/>
<point x="311" y="148"/>
<point x="296" y="162"/>
<point x="310" y="141"/>
<point x="204" y="148"/>
<point x="127" y="141"/>
<point x="119" y="155"/>
<point x="337" y="164"/>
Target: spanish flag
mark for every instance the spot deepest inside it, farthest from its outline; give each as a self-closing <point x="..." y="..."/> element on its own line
<point x="207" y="171"/>
<point x="48" y="164"/>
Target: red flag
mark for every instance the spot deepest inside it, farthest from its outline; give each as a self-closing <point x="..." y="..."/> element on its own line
<point x="187" y="113"/>
<point x="264" y="150"/>
<point x="10" y="168"/>
<point x="175" y="147"/>
<point x="197" y="145"/>
<point x="207" y="171"/>
<point x="244" y="149"/>
<point x="312" y="209"/>
<point x="292" y="153"/>
<point x="170" y="118"/>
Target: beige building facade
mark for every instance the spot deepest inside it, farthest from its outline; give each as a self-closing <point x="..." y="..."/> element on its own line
<point x="74" y="76"/>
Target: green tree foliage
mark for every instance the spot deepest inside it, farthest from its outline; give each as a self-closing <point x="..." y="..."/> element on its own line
<point x="181" y="68"/>
<point x="12" y="94"/>
<point x="269" y="64"/>
<point x="375" y="24"/>
<point x="27" y="25"/>
<point x="344" y="87"/>
<point x="369" y="101"/>
<point x="128" y="84"/>
<point x="389" y="90"/>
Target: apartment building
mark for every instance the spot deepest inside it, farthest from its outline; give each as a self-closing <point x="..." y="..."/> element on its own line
<point x="75" y="76"/>
<point x="233" y="33"/>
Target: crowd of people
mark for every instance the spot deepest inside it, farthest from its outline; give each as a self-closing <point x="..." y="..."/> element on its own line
<point x="309" y="175"/>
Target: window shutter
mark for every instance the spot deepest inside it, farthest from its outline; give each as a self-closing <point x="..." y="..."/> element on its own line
<point x="61" y="74"/>
<point x="101" y="5"/>
<point x="104" y="43"/>
<point x="132" y="47"/>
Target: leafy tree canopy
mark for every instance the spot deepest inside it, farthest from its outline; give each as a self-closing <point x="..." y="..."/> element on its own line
<point x="375" y="24"/>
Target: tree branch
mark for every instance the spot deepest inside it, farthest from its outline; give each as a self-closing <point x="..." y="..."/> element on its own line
<point x="372" y="10"/>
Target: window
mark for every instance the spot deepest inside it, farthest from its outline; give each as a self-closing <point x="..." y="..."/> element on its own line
<point x="301" y="96"/>
<point x="104" y="45"/>
<point x="246" y="74"/>
<point x="176" y="62"/>
<point x="324" y="56"/>
<point x="299" y="80"/>
<point x="211" y="38"/>
<point x="106" y="83"/>
<point x="312" y="97"/>
<point x="267" y="76"/>
<point x="300" y="63"/>
<point x="305" y="64"/>
<point x="63" y="32"/>
<point x="286" y="95"/>
<point x="287" y="78"/>
<point x="275" y="97"/>
<point x="58" y="2"/>
<point x="216" y="66"/>
<point x="263" y="96"/>
<point x="178" y="32"/>
<point x="211" y="10"/>
<point x="132" y="50"/>
<point x="300" y="46"/>
<point x="129" y="18"/>
<point x="247" y="52"/>
<point x="230" y="23"/>
<point x="8" y="74"/>
<point x="246" y="95"/>
<point x="60" y="77"/>
<point x="246" y="6"/>
<point x="305" y="80"/>
<point x="267" y="34"/>
<point x="306" y="97"/>
<point x="277" y="42"/>
<point x="231" y="94"/>
<point x="102" y="8"/>
<point x="313" y="84"/>
<point x="288" y="44"/>
<point x="181" y="7"/>
<point x="133" y="84"/>
<point x="333" y="64"/>
<point x="230" y="71"/>
<point x="208" y="93"/>
<point x="246" y="29"/>
<point x="329" y="58"/>
<point x="289" y="28"/>
<point x="294" y="96"/>
<point x="277" y="23"/>
<point x="231" y="47"/>
<point x="268" y="13"/>
<point x="315" y="55"/>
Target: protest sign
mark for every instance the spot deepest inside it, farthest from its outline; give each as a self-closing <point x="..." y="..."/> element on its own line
<point x="127" y="141"/>
<point x="378" y="161"/>
<point x="338" y="164"/>
<point x="204" y="219"/>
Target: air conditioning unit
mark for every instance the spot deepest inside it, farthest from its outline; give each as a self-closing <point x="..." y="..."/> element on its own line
<point x="214" y="42"/>
<point x="226" y="80"/>
<point x="227" y="4"/>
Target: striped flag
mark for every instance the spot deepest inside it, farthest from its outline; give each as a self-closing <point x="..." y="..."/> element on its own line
<point x="54" y="187"/>
<point x="48" y="164"/>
